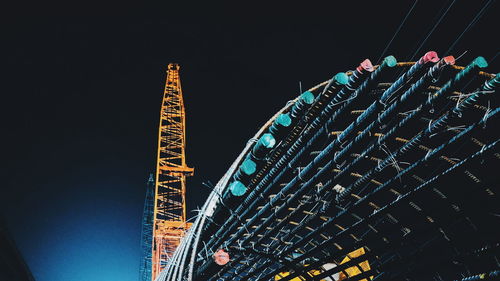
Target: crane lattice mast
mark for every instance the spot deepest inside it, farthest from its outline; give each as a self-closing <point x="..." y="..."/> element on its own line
<point x="147" y="231"/>
<point x="171" y="172"/>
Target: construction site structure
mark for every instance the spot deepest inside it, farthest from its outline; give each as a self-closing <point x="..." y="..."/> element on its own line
<point x="147" y="231"/>
<point x="169" y="212"/>
<point x="383" y="172"/>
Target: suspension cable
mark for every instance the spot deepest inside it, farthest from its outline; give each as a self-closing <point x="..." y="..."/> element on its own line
<point x="397" y="31"/>
<point x="471" y="24"/>
<point x="432" y="30"/>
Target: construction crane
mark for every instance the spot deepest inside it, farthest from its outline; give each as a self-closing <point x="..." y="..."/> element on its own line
<point x="169" y="213"/>
<point x="147" y="231"/>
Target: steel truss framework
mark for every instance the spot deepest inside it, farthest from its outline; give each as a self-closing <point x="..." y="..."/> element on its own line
<point x="147" y="232"/>
<point x="388" y="173"/>
<point x="171" y="171"/>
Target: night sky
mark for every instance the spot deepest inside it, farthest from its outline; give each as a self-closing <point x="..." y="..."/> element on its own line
<point x="82" y="86"/>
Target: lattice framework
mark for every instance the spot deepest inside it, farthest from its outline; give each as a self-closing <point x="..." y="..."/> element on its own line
<point x="171" y="171"/>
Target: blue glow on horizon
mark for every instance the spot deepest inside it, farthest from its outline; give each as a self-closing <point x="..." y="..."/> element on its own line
<point x="97" y="238"/>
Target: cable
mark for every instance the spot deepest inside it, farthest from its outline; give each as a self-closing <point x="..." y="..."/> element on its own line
<point x="494" y="57"/>
<point x="397" y="31"/>
<point x="476" y="18"/>
<point x="432" y="30"/>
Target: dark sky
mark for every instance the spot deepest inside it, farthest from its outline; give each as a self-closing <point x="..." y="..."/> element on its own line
<point x="81" y="91"/>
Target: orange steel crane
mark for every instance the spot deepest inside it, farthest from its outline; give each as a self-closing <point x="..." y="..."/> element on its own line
<point x="171" y="171"/>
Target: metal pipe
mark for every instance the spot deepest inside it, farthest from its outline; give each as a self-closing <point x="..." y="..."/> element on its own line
<point x="426" y="133"/>
<point x="246" y="169"/>
<point x="265" y="143"/>
<point x="471" y="98"/>
<point x="305" y="99"/>
<point x="357" y="120"/>
<point x="360" y="120"/>
<point x="280" y="125"/>
<point x="393" y="180"/>
<point x="400" y="198"/>
<point x="388" y="62"/>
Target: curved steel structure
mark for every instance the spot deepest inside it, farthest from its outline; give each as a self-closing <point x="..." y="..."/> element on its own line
<point x="362" y="177"/>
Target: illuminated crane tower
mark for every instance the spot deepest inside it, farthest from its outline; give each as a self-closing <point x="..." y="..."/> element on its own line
<point x="171" y="171"/>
